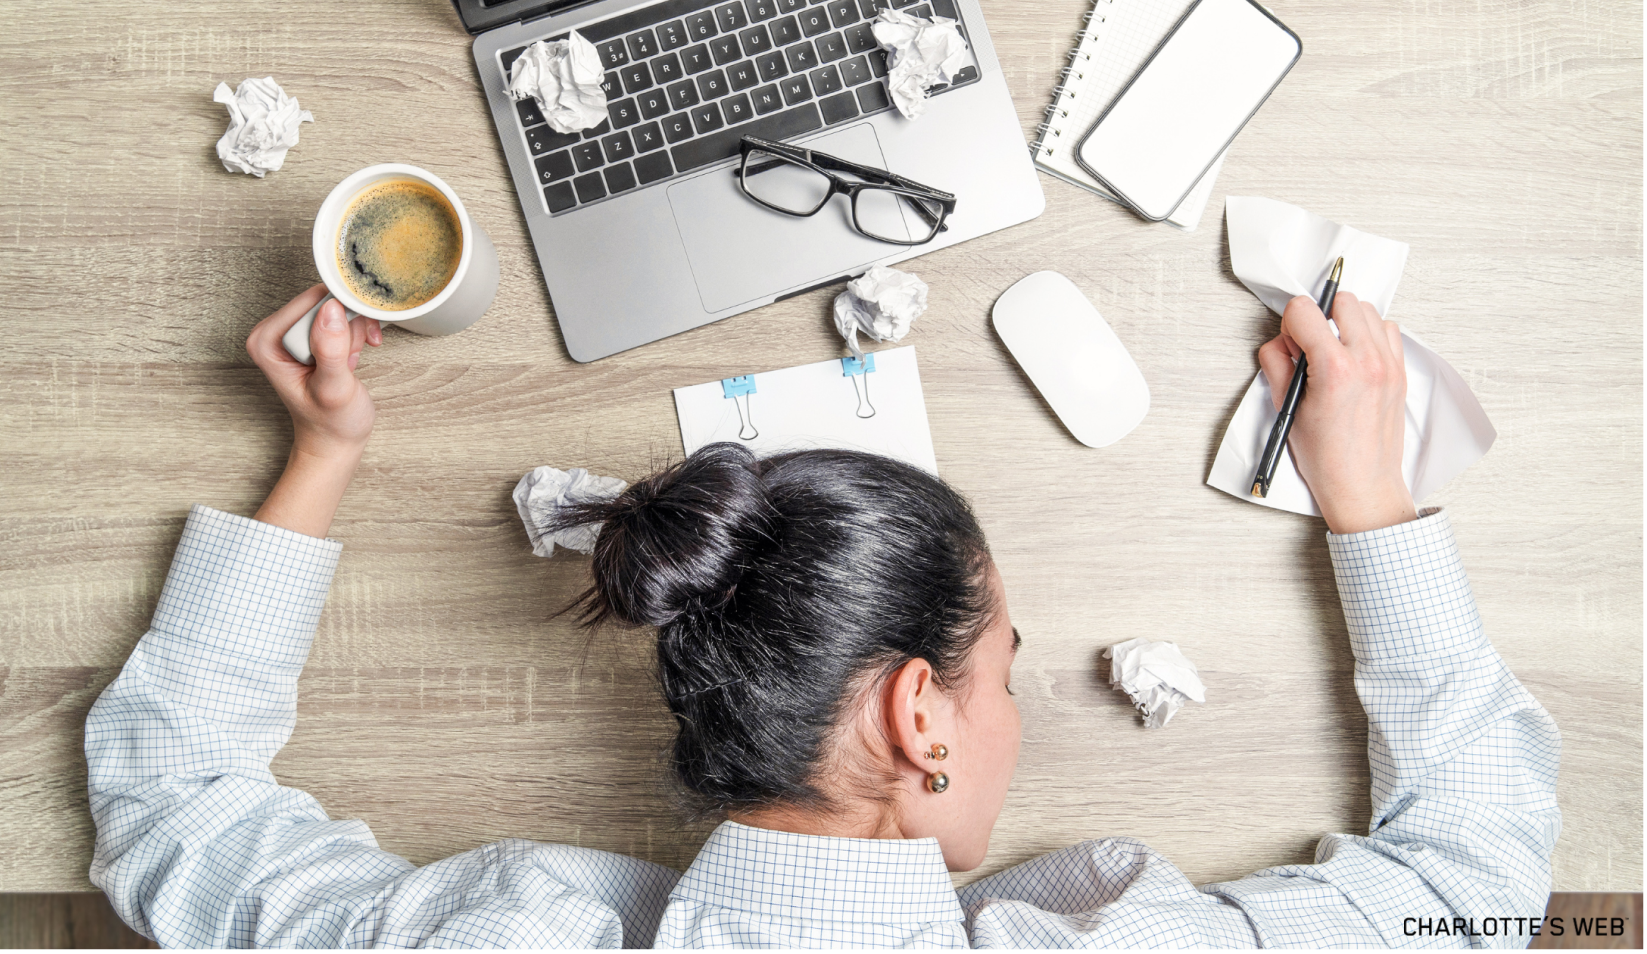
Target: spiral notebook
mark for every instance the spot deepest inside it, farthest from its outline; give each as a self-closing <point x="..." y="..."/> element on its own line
<point x="1118" y="38"/>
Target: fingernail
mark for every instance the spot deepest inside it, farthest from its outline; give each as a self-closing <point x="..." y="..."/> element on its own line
<point x="331" y="316"/>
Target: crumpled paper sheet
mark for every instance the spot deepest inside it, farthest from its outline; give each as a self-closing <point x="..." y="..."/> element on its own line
<point x="542" y="494"/>
<point x="564" y="76"/>
<point x="921" y="54"/>
<point x="881" y="303"/>
<point x="1156" y="676"/>
<point x="263" y="123"/>
<point x="1279" y="251"/>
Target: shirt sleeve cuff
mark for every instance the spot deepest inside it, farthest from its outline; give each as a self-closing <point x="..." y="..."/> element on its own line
<point x="246" y="588"/>
<point x="1404" y="588"/>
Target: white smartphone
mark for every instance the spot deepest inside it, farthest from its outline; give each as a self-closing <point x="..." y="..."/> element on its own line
<point x="1179" y="114"/>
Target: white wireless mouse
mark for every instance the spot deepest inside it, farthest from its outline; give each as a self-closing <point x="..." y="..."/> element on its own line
<point x="1073" y="357"/>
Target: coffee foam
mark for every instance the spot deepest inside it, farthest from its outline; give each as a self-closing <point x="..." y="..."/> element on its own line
<point x="399" y="244"/>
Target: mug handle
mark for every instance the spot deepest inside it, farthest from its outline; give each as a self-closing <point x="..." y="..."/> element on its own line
<point x="296" y="338"/>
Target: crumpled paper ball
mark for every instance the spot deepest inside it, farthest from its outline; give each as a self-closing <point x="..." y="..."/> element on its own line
<point x="544" y="492"/>
<point x="1156" y="676"/>
<point x="263" y="123"/>
<point x="921" y="54"/>
<point x="881" y="303"/>
<point x="564" y="76"/>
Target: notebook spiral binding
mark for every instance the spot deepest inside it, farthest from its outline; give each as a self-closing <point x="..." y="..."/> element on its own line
<point x="1049" y="132"/>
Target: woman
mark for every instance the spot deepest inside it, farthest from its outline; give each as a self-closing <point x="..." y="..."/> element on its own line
<point x="835" y="645"/>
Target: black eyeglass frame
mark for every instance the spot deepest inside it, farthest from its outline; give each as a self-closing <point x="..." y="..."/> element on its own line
<point x="826" y="165"/>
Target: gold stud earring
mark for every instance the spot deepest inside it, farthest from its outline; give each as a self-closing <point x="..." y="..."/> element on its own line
<point x="937" y="783"/>
<point x="939" y="752"/>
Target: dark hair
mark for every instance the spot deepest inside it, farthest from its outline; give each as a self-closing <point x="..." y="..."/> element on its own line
<point x="776" y="586"/>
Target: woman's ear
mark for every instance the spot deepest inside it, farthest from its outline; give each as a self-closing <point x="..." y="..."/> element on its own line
<point x="912" y="710"/>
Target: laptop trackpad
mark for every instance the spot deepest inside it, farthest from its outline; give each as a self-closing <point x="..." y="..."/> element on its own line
<point x="741" y="251"/>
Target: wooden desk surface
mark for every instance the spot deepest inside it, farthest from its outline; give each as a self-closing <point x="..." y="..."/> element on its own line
<point x="446" y="707"/>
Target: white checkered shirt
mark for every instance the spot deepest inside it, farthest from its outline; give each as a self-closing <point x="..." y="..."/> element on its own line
<point x="198" y="845"/>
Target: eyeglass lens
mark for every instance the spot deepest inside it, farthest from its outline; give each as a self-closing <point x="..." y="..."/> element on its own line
<point x="881" y="213"/>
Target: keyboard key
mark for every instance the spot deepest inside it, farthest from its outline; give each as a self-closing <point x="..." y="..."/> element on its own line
<point x="900" y="4"/>
<point x="612" y="85"/>
<point x="772" y="66"/>
<point x="870" y="9"/>
<point x="737" y="110"/>
<point x="683" y="94"/>
<point x="743" y="75"/>
<point x="801" y="57"/>
<point x="528" y="110"/>
<point x="755" y="40"/>
<point x="641" y="45"/>
<point x="666" y="68"/>
<point x="589" y="187"/>
<point x="855" y="71"/>
<point x="700" y="26"/>
<point x="813" y="20"/>
<point x="560" y="197"/>
<point x="789" y="6"/>
<point x="612" y="54"/>
<point x="617" y="147"/>
<point x="655" y="102"/>
<point x="795" y="90"/>
<point x="636" y="77"/>
<point x="677" y="127"/>
<point x="712" y="85"/>
<point x="860" y="38"/>
<point x="826" y="81"/>
<point x="555" y="167"/>
<point x="653" y="167"/>
<point x="588" y="156"/>
<point x="877" y="62"/>
<point x="730" y="16"/>
<point x="945" y="8"/>
<point x="623" y="113"/>
<point x="601" y="130"/>
<point x="647" y="137"/>
<point x="620" y="178"/>
<point x="872" y="98"/>
<point x="838" y="108"/>
<point x="966" y="74"/>
<point x="724" y="144"/>
<point x="784" y="31"/>
<point x="923" y="11"/>
<point x="760" y="9"/>
<point x="509" y="57"/>
<point x="545" y="140"/>
<point x="724" y="49"/>
<point x="831" y="47"/>
<point x="696" y="59"/>
<point x="671" y="35"/>
<point x="707" y="118"/>
<point x="842" y="12"/>
<point x="767" y="99"/>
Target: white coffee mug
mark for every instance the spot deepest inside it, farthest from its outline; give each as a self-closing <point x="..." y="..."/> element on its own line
<point x="459" y="305"/>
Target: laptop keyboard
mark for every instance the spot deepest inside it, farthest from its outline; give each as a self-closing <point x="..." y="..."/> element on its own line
<point x="688" y="79"/>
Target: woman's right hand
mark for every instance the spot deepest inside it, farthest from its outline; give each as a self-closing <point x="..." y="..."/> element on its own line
<point x="1351" y="425"/>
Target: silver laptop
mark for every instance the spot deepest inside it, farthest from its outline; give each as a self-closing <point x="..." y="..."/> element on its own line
<point x="640" y="225"/>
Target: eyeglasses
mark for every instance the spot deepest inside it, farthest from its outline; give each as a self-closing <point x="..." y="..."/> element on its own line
<point x="798" y="181"/>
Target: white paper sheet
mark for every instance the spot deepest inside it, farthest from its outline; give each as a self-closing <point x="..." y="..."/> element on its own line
<point x="921" y="53"/>
<point x="545" y="491"/>
<point x="1156" y="676"/>
<point x="1279" y="251"/>
<point x="882" y="303"/>
<point x="564" y="77"/>
<point x="817" y="405"/>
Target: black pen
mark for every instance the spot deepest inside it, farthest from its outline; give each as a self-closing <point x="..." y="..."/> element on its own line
<point x="1295" y="393"/>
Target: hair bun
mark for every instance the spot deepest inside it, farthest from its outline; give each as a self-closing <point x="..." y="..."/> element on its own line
<point x="679" y="541"/>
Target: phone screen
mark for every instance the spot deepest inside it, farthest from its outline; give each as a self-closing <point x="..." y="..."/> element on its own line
<point x="1182" y="109"/>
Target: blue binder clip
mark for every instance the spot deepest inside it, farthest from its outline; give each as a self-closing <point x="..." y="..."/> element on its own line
<point x="741" y="387"/>
<point x="859" y="369"/>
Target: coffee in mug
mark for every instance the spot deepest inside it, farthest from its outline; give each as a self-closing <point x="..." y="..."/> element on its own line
<point x="393" y="242"/>
<point x="399" y="244"/>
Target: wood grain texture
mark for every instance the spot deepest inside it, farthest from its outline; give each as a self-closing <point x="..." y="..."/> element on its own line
<point x="444" y="703"/>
